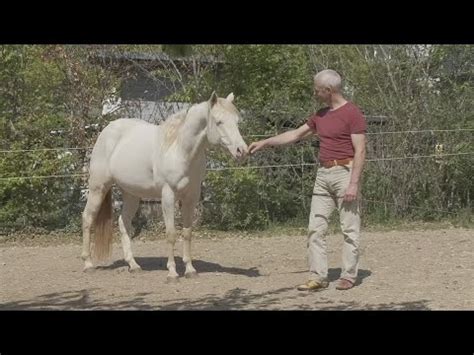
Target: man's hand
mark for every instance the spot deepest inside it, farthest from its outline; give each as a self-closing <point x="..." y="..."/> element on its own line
<point x="351" y="192"/>
<point x="256" y="146"/>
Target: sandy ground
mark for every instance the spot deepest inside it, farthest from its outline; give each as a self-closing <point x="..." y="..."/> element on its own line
<point x="399" y="270"/>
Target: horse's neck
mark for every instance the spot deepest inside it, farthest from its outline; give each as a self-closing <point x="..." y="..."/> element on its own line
<point x="192" y="137"/>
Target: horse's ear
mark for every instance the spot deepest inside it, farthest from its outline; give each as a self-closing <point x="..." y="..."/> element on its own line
<point x="230" y="97"/>
<point x="213" y="99"/>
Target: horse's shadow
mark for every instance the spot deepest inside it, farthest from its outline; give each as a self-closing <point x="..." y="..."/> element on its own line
<point x="201" y="266"/>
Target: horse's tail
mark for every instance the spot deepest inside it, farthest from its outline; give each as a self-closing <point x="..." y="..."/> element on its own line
<point x="103" y="235"/>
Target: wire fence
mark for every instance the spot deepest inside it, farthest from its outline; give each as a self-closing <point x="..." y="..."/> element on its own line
<point x="246" y="136"/>
<point x="295" y="170"/>
<point x="303" y="164"/>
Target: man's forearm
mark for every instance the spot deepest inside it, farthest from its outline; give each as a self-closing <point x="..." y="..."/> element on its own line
<point x="358" y="164"/>
<point x="281" y="139"/>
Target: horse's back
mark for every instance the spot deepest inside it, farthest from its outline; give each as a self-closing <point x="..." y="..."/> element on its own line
<point x="120" y="129"/>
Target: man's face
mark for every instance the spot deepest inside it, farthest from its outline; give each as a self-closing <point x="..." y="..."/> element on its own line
<point x="322" y="93"/>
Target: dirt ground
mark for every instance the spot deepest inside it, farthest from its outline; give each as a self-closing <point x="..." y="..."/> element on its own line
<point x="399" y="270"/>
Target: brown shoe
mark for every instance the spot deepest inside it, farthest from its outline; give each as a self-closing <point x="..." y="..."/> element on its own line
<point x="313" y="285"/>
<point x="344" y="284"/>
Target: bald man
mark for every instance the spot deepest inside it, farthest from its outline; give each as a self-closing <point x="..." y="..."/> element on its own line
<point x="341" y="129"/>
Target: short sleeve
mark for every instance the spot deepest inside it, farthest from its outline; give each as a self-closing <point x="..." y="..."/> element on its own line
<point x="311" y="122"/>
<point x="358" y="123"/>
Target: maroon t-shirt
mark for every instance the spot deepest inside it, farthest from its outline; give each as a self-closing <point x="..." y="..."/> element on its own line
<point x="335" y="128"/>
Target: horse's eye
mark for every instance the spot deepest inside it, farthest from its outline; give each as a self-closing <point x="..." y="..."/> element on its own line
<point x="219" y="123"/>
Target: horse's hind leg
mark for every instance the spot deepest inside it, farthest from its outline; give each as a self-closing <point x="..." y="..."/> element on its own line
<point x="94" y="201"/>
<point x="130" y="207"/>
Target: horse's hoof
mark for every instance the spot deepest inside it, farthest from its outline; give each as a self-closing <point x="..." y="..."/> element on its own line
<point x="89" y="270"/>
<point x="191" y="275"/>
<point x="172" y="279"/>
<point x="135" y="270"/>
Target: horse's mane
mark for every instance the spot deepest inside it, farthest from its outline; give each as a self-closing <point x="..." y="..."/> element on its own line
<point x="173" y="123"/>
<point x="171" y="126"/>
<point x="178" y="116"/>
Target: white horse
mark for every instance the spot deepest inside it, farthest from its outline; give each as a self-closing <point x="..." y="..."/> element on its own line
<point x="167" y="161"/>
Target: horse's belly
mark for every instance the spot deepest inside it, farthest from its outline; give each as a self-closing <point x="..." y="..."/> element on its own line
<point x="142" y="190"/>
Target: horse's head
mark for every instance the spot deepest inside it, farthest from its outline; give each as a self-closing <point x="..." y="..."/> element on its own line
<point x="222" y="125"/>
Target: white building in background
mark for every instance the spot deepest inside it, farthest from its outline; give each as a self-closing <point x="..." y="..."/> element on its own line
<point x="148" y="80"/>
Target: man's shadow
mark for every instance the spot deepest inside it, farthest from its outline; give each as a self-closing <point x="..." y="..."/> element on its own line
<point x="334" y="274"/>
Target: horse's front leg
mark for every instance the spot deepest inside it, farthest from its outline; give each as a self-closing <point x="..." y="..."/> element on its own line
<point x="187" y="210"/>
<point x="167" y="204"/>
